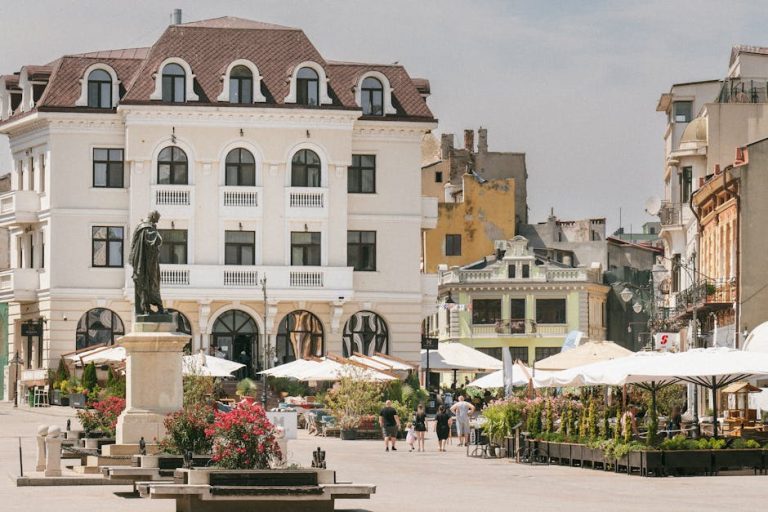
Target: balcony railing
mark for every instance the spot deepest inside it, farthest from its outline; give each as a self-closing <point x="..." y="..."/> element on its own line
<point x="306" y="198"/>
<point x="19" y="207"/>
<point x="241" y="278"/>
<point x="174" y="276"/>
<point x="307" y="279"/>
<point x="502" y="328"/>
<point x="172" y="195"/>
<point x="744" y="90"/>
<point x="239" y="197"/>
<point x="20" y="284"/>
<point x="721" y="291"/>
<point x="670" y="214"/>
<point x="551" y="329"/>
<point x="539" y="275"/>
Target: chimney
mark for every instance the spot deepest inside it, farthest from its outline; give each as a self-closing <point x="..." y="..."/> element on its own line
<point x="482" y="140"/>
<point x="469" y="140"/>
<point x="176" y="17"/>
<point x="446" y="145"/>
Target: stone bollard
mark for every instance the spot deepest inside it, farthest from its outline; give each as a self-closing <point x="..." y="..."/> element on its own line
<point x="53" y="452"/>
<point x="42" y="431"/>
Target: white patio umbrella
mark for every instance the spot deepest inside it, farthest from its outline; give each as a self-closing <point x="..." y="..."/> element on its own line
<point x="291" y="370"/>
<point x="589" y="352"/>
<point x="105" y="355"/>
<point x="457" y="356"/>
<point x="209" y="366"/>
<point x="520" y="377"/>
<point x="395" y="364"/>
<point x="331" y="370"/>
<point x="369" y="361"/>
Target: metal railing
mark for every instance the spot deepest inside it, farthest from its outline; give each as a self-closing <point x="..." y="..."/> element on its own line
<point x="670" y="213"/>
<point x="744" y="90"/>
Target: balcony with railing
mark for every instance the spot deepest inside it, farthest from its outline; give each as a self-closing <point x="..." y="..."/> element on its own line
<point x="540" y="274"/>
<point x="19" y="207"/>
<point x="19" y="285"/>
<point x="502" y="328"/>
<point x="670" y="214"/>
<point x="237" y="202"/>
<point x="706" y="296"/>
<point x="744" y="90"/>
<point x="282" y="282"/>
<point x="303" y="202"/>
<point x="172" y="200"/>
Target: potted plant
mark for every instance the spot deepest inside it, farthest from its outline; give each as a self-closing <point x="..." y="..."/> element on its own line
<point x="351" y="398"/>
<point x="247" y="389"/>
<point x="348" y="426"/>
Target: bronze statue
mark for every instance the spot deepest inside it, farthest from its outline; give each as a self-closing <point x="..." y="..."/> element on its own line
<point x="145" y="259"/>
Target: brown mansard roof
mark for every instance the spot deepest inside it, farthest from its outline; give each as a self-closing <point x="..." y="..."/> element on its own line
<point x="209" y="47"/>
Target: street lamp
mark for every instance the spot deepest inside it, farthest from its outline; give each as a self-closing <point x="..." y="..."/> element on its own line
<point x="263" y="283"/>
<point x="17" y="361"/>
<point x="637" y="307"/>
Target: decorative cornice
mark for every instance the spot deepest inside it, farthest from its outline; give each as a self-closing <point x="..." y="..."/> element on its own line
<point x="371" y="130"/>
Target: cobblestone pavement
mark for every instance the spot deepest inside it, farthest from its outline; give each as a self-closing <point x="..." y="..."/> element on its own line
<point x="421" y="482"/>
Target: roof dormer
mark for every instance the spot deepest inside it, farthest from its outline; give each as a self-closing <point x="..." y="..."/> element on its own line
<point x="309" y="85"/>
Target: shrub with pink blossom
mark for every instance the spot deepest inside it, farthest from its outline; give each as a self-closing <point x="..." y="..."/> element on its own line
<point x="243" y="438"/>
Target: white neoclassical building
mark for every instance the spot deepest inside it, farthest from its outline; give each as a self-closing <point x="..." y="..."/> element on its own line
<point x="265" y="161"/>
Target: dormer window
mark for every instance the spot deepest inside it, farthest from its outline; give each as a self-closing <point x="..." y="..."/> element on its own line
<point x="372" y="97"/>
<point x="174" y="83"/>
<point x="241" y="85"/>
<point x="307" y="87"/>
<point x="99" y="89"/>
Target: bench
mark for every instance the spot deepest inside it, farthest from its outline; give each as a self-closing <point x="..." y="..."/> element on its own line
<point x="210" y="489"/>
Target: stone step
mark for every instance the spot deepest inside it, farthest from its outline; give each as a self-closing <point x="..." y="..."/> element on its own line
<point x="86" y="470"/>
<point x="115" y="460"/>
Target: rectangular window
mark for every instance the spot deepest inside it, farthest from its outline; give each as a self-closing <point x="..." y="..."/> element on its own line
<point x="511" y="271"/>
<point x="526" y="271"/>
<point x="676" y="272"/>
<point x="486" y="311"/>
<point x="108" y="168"/>
<point x="361" y="178"/>
<point x="686" y="181"/>
<point x="519" y="353"/>
<point x="544" y="352"/>
<point x="174" y="248"/>
<point x="683" y="111"/>
<point x="239" y="247"/>
<point x="438" y="176"/>
<point x="305" y="248"/>
<point x="550" y="311"/>
<point x="453" y="245"/>
<point x="361" y="250"/>
<point x="491" y="351"/>
<point x="517" y="316"/>
<point x="107" y="246"/>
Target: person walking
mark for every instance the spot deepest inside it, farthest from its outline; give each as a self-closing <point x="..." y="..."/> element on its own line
<point x="420" y="426"/>
<point x="390" y="425"/>
<point x="463" y="410"/>
<point x="443" y="422"/>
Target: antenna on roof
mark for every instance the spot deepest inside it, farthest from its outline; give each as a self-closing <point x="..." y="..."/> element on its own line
<point x="176" y="17"/>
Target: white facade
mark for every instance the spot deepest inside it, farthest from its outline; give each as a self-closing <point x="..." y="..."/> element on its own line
<point x="54" y="207"/>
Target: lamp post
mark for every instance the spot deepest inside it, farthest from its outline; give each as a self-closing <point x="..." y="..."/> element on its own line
<point x="263" y="283"/>
<point x="16" y="361"/>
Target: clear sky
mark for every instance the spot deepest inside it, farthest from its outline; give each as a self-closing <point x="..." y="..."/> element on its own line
<point x="574" y="84"/>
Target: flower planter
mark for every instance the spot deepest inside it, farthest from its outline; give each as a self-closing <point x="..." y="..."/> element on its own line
<point x="77" y="400"/>
<point x="688" y="462"/>
<point x="635" y="462"/>
<point x="738" y="459"/>
<point x="591" y="456"/>
<point x="653" y="463"/>
<point x="576" y="455"/>
<point x="59" y="398"/>
<point x="348" y="435"/>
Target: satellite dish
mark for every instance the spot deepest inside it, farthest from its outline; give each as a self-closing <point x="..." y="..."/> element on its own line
<point x="653" y="205"/>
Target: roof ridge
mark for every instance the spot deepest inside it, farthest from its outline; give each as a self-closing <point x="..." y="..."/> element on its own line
<point x="244" y="24"/>
<point x="350" y="63"/>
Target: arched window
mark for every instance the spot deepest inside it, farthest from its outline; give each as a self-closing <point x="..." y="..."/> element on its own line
<point x="365" y="332"/>
<point x="99" y="89"/>
<point x="307" y="87"/>
<point x="98" y="326"/>
<point x="182" y="325"/>
<point x="174" y="83"/>
<point x="305" y="169"/>
<point x="300" y="334"/>
<point x="235" y="335"/>
<point x="372" y="97"/>
<point x="240" y="168"/>
<point x="172" y="167"/>
<point x="241" y="85"/>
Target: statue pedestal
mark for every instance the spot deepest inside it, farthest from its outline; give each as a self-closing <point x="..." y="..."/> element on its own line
<point x="153" y="380"/>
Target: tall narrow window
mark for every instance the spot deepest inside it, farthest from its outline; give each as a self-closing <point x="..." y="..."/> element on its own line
<point x="174" y="248"/>
<point x="517" y="316"/>
<point x="361" y="250"/>
<point x="372" y="97"/>
<point x="307" y="87"/>
<point x="108" y="168"/>
<point x="174" y="83"/>
<point x="305" y="248"/>
<point x="99" y="89"/>
<point x="240" y="168"/>
<point x="31" y="173"/>
<point x="305" y="169"/>
<point x="241" y="85"/>
<point x="172" y="167"/>
<point x="107" y="246"/>
<point x="453" y="245"/>
<point x="361" y="178"/>
<point x="686" y="182"/>
<point x="526" y="271"/>
<point x="239" y="247"/>
<point x="42" y="172"/>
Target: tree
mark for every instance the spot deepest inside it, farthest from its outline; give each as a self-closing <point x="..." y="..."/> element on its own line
<point x="89" y="377"/>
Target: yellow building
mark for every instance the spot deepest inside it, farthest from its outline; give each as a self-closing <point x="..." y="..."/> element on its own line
<point x="470" y="219"/>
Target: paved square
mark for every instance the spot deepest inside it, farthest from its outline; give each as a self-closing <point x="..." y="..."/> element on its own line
<point x="422" y="482"/>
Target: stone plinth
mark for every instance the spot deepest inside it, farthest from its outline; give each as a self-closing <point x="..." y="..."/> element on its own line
<point x="153" y="380"/>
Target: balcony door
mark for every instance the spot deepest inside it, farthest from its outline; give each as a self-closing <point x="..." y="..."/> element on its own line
<point x="235" y="337"/>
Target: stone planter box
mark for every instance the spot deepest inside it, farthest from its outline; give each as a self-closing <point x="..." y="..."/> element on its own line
<point x="77" y="400"/>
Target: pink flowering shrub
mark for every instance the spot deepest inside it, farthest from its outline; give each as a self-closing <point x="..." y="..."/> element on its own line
<point x="243" y="438"/>
<point x="103" y="416"/>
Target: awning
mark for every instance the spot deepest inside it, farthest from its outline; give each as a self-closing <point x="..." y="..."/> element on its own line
<point x="460" y="357"/>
